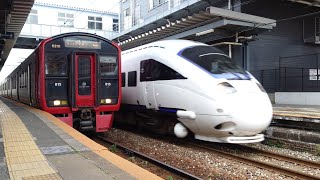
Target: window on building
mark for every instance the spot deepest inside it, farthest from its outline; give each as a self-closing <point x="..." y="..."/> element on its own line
<point x="33" y="17"/>
<point x="126" y="12"/>
<point x="123" y="80"/>
<point x="138" y="13"/>
<point x="151" y="70"/>
<point x="156" y="3"/>
<point x="132" y="78"/>
<point x="95" y="22"/>
<point x="65" y="19"/>
<point x="115" y="25"/>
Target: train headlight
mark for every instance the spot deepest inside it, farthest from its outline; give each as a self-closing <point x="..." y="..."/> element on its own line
<point x="106" y="101"/>
<point x="226" y="88"/>
<point x="261" y="87"/>
<point x="56" y="102"/>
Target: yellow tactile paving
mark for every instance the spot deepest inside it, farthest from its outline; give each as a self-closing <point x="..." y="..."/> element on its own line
<point x="296" y="114"/>
<point x="23" y="156"/>
<point x="43" y="177"/>
<point x="301" y="112"/>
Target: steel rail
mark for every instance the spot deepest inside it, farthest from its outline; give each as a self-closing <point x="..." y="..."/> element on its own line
<point x="284" y="157"/>
<point x="250" y="161"/>
<point x="159" y="163"/>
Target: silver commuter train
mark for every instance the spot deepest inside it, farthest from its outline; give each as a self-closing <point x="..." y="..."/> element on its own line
<point x="199" y="86"/>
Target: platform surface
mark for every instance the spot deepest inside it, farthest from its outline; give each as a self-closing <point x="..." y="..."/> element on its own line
<point x="297" y="112"/>
<point x="35" y="145"/>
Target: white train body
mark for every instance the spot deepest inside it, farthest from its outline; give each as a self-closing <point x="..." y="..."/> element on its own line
<point x="219" y="106"/>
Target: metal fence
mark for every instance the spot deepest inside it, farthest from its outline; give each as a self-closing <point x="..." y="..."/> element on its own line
<point x="293" y="74"/>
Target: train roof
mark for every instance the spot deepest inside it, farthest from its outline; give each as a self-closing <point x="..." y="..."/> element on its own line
<point x="174" y="46"/>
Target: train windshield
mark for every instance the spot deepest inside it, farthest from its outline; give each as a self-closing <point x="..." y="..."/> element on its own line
<point x="108" y="65"/>
<point x="215" y="62"/>
<point x="56" y="64"/>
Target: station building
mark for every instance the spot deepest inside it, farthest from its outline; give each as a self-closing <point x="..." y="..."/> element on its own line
<point x="46" y="20"/>
<point x="276" y="41"/>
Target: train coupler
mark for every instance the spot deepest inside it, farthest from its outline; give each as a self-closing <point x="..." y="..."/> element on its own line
<point x="86" y="125"/>
<point x="86" y="120"/>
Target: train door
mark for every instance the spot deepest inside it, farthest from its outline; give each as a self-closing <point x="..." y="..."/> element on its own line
<point x="150" y="96"/>
<point x="147" y="83"/>
<point x="84" y="80"/>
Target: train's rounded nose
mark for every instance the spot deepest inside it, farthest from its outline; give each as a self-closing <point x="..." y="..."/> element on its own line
<point x="255" y="121"/>
<point x="252" y="117"/>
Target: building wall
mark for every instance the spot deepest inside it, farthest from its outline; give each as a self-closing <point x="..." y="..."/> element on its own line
<point x="48" y="21"/>
<point x="142" y="10"/>
<point x="270" y="48"/>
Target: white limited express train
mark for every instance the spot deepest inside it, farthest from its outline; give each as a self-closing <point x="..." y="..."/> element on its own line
<point x="188" y="87"/>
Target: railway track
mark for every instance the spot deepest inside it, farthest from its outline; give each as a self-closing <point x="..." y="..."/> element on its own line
<point x="265" y="159"/>
<point x="308" y="126"/>
<point x="168" y="167"/>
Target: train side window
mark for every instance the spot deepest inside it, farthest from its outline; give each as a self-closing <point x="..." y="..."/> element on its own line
<point x="123" y="80"/>
<point x="132" y="78"/>
<point x="152" y="70"/>
<point x="14" y="85"/>
<point x="25" y="78"/>
<point x="19" y="80"/>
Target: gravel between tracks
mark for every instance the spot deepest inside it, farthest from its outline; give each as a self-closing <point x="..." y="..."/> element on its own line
<point x="198" y="161"/>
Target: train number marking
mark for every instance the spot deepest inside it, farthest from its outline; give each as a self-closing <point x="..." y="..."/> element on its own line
<point x="57" y="84"/>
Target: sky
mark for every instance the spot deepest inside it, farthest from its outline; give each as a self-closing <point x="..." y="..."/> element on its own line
<point x="16" y="56"/>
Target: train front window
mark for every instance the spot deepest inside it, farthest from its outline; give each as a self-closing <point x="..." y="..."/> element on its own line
<point x="56" y="64"/>
<point x="108" y="65"/>
<point x="215" y="62"/>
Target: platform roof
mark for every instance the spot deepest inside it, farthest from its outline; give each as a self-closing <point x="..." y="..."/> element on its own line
<point x="212" y="18"/>
<point x="13" y="15"/>
<point x="315" y="3"/>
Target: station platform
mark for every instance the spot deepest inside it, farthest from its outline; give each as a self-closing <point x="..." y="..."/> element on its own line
<point x="296" y="127"/>
<point x="35" y="145"/>
<point x="297" y="112"/>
